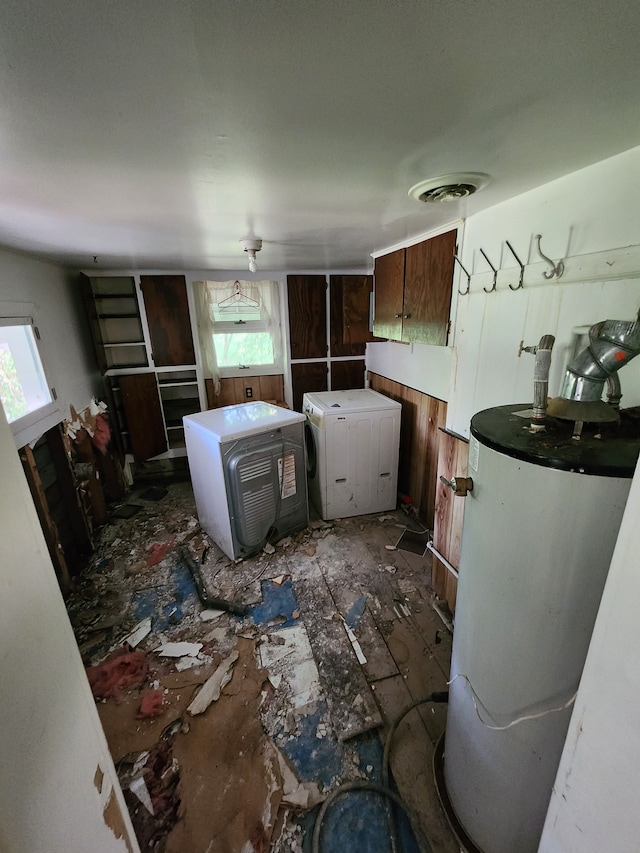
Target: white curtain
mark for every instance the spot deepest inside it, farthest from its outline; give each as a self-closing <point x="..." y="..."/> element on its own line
<point x="209" y="294"/>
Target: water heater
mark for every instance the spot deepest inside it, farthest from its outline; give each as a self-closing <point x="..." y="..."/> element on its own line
<point x="540" y="527"/>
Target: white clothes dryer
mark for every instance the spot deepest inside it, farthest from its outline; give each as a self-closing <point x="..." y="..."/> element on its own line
<point x="352" y="445"/>
<point x="248" y="474"/>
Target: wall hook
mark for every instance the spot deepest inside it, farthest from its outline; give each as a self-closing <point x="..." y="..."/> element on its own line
<point x="521" y="265"/>
<point x="463" y="292"/>
<point x="495" y="273"/>
<point x="556" y="269"/>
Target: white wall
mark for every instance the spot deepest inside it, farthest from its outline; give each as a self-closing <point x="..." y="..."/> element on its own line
<point x="594" y="805"/>
<point x="51" y="739"/>
<point x="425" y="368"/>
<point x="65" y="344"/>
<point x="591" y="211"/>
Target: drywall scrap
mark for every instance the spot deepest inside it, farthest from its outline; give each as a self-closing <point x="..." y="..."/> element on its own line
<point x="141" y="630"/>
<point x="211" y="689"/>
<point x="90" y="419"/>
<point x="178" y="650"/>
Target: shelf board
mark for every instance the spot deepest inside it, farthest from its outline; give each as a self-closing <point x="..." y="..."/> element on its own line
<point x="128" y="366"/>
<point x="130" y="295"/>
<point x="128" y="316"/>
<point x="124" y="344"/>
<point x="182" y="384"/>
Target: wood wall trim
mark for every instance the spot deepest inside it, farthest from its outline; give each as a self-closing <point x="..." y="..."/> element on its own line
<point x="233" y="390"/>
<point x="428" y="450"/>
<point x="49" y="528"/>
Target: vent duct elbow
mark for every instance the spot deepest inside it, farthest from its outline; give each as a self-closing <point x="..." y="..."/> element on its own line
<point x="613" y="343"/>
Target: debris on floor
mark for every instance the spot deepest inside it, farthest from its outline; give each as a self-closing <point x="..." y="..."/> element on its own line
<point x="229" y="728"/>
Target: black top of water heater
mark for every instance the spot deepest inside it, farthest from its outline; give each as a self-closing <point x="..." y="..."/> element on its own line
<point x="606" y="450"/>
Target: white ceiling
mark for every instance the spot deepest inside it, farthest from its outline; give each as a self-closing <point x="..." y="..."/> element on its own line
<point x="158" y="133"/>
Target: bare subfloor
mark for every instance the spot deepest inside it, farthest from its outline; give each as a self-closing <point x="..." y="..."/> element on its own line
<point x="340" y="636"/>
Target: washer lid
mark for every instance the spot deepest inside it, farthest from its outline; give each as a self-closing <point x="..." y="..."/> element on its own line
<point x="230" y="422"/>
<point x="343" y="402"/>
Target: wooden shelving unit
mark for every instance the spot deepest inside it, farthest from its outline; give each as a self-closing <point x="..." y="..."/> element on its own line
<point x="116" y="325"/>
<point x="179" y="396"/>
<point x="144" y="347"/>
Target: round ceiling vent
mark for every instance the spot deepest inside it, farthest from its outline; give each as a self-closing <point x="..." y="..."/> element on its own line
<point x="449" y="187"/>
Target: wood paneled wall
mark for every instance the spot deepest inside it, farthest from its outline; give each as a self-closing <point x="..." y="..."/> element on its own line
<point x="453" y="455"/>
<point x="419" y="436"/>
<point x="428" y="451"/>
<point x="234" y="390"/>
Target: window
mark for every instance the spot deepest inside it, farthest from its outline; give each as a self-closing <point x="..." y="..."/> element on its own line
<point x="26" y="397"/>
<point x="239" y="327"/>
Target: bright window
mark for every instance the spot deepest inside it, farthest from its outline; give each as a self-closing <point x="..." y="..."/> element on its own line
<point x="243" y="349"/>
<point x="239" y="327"/>
<point x="23" y="385"/>
<point x="24" y="391"/>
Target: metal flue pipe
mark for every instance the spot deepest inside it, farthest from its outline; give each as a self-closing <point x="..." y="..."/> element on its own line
<point x="613" y="343"/>
<point x="541" y="381"/>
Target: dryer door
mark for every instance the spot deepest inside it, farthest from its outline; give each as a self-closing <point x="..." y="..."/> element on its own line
<point x="311" y="452"/>
<point x="314" y="438"/>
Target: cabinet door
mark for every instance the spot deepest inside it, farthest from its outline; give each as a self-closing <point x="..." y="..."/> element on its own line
<point x="388" y="298"/>
<point x="427" y="290"/>
<point x="307" y="376"/>
<point x="350" y="306"/>
<point x="306" y="295"/>
<point x="143" y="415"/>
<point x="347" y="374"/>
<point x="167" y="309"/>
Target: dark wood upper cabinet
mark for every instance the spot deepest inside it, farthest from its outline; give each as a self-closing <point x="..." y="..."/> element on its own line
<point x="427" y="290"/>
<point x="414" y="305"/>
<point x="350" y="300"/>
<point x="306" y="295"/>
<point x="167" y="309"/>
<point x="389" y="295"/>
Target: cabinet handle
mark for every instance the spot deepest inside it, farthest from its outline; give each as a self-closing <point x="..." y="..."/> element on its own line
<point x="398" y="316"/>
<point x="406" y="316"/>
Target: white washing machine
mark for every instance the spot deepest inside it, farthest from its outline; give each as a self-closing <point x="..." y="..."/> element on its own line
<point x="352" y="441"/>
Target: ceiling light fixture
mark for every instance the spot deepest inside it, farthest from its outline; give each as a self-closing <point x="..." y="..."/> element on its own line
<point x="251" y="245"/>
<point x="449" y="187"/>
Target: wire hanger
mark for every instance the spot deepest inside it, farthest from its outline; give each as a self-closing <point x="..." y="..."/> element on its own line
<point x="238" y="302"/>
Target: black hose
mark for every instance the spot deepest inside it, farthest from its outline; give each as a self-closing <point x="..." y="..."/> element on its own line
<point x="205" y="599"/>
<point x="384" y="788"/>
<point x="365" y="785"/>
<point x="432" y="697"/>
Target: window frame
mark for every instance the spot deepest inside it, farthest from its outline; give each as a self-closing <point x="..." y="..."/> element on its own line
<point x="274" y="328"/>
<point x="34" y="424"/>
<point x="231" y="327"/>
